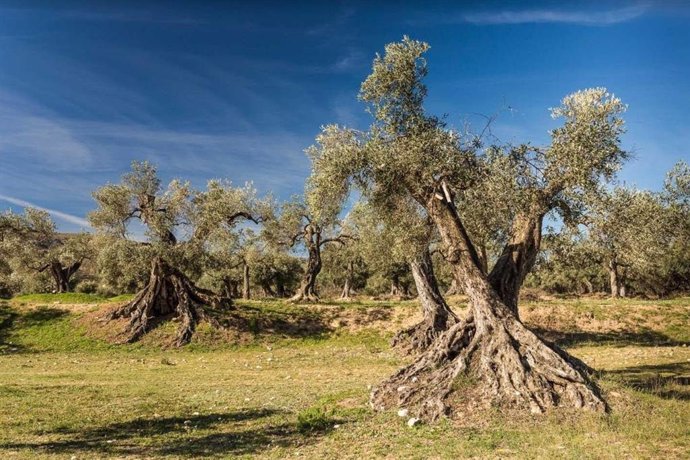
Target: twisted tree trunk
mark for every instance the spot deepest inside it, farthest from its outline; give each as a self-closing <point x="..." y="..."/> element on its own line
<point x="398" y="289"/>
<point x="489" y="357"/>
<point x="307" y="290"/>
<point x="168" y="293"/>
<point x="230" y="288"/>
<point x="438" y="317"/>
<point x="62" y="275"/>
<point x="517" y="258"/>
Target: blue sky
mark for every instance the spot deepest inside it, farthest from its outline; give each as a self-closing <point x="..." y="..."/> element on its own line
<point x="238" y="90"/>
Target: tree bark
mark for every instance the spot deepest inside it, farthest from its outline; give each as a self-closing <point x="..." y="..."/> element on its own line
<point x="168" y="292"/>
<point x="62" y="275"/>
<point x="509" y="364"/>
<point x="615" y="279"/>
<point x="347" y="286"/>
<point x="454" y="288"/>
<point x="517" y="258"/>
<point x="398" y="289"/>
<point x="307" y="289"/>
<point x="246" y="293"/>
<point x="438" y="317"/>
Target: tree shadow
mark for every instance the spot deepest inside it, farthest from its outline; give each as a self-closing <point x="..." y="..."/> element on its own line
<point x="8" y="317"/>
<point x="295" y="323"/>
<point x="40" y="315"/>
<point x="643" y="338"/>
<point x="12" y="319"/>
<point x="667" y="381"/>
<point x="177" y="436"/>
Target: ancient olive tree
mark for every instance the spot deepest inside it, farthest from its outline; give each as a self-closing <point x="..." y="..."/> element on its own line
<point x="626" y="229"/>
<point x="344" y="267"/>
<point x="413" y="155"/>
<point x="229" y="247"/>
<point x="35" y="248"/>
<point x="298" y="225"/>
<point x="169" y="291"/>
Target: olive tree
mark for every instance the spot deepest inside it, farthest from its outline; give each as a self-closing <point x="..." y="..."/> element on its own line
<point x="33" y="247"/>
<point x="276" y="272"/>
<point x="178" y="222"/>
<point x="676" y="258"/>
<point x="569" y="263"/>
<point x="642" y="237"/>
<point x="344" y="267"/>
<point x="410" y="154"/>
<point x="627" y="230"/>
<point x="216" y="214"/>
<point x="298" y="225"/>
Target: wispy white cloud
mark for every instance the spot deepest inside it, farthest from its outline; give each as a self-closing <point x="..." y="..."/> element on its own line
<point x="28" y="132"/>
<point x="587" y="17"/>
<point x="72" y="219"/>
<point x="353" y="59"/>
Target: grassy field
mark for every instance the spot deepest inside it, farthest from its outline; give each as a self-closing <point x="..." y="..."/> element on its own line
<point x="293" y="382"/>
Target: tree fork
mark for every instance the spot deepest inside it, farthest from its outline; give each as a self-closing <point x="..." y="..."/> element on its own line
<point x="509" y="365"/>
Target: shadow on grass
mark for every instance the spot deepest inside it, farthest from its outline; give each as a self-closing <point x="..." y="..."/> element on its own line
<point x="667" y="381"/>
<point x="8" y="316"/>
<point x="294" y="323"/>
<point x="644" y="338"/>
<point x="12" y="320"/>
<point x="178" y="436"/>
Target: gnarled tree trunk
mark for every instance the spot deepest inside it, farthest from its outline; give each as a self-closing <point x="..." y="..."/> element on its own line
<point x="438" y="317"/>
<point x="398" y="289"/>
<point x="307" y="290"/>
<point x="517" y="259"/>
<point x="168" y="293"/>
<point x="491" y="351"/>
<point x="62" y="275"/>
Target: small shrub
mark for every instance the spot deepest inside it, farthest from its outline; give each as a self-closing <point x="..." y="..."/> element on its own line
<point x="313" y="419"/>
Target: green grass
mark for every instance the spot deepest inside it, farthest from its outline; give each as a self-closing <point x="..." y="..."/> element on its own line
<point x="305" y="395"/>
<point x="65" y="298"/>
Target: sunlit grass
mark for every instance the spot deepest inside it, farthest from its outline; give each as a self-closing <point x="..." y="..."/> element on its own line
<point x="66" y="394"/>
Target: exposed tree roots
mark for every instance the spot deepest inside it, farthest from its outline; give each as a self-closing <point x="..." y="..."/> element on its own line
<point x="169" y="293"/>
<point x="303" y="295"/>
<point x="419" y="337"/>
<point x="493" y="360"/>
<point x="438" y="316"/>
